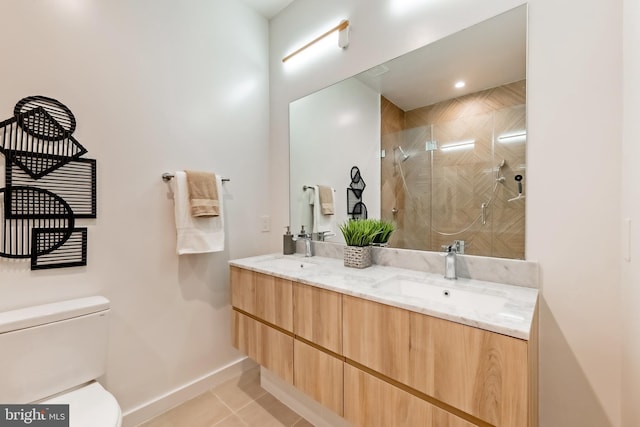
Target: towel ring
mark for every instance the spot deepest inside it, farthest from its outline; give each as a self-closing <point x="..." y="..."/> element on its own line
<point x="168" y="176"/>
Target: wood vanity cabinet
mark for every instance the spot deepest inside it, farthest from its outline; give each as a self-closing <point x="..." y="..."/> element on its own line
<point x="319" y="375"/>
<point x="317" y="316"/>
<point x="267" y="297"/>
<point x="379" y="365"/>
<point x="372" y="402"/>
<point x="262" y="320"/>
<point x="266" y="345"/>
<point x="318" y="363"/>
<point x="266" y="308"/>
<point x="485" y="377"/>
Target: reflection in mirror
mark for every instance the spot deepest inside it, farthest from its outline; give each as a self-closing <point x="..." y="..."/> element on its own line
<point x="445" y="163"/>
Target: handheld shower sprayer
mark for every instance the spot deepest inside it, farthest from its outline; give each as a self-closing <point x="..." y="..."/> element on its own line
<point x="405" y="156"/>
<point x="499" y="177"/>
<point x="518" y="179"/>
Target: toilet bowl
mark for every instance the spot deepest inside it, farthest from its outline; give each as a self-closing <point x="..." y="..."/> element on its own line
<point x="90" y="405"/>
<point x="54" y="353"/>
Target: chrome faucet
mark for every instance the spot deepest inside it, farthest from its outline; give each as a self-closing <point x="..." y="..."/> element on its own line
<point x="322" y="235"/>
<point x="450" y="261"/>
<point x="303" y="235"/>
<point x="307" y="245"/>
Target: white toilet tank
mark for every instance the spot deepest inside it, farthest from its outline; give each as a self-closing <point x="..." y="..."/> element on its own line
<point x="51" y="348"/>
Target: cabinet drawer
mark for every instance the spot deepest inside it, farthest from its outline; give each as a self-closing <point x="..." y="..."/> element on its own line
<point x="479" y="372"/>
<point x="371" y="402"/>
<point x="377" y="336"/>
<point x="319" y="375"/>
<point x="317" y="316"/>
<point x="268" y="297"/>
<point x="482" y="373"/>
<point x="267" y="346"/>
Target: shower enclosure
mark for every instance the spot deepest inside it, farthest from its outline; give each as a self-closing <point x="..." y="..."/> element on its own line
<point x="456" y="171"/>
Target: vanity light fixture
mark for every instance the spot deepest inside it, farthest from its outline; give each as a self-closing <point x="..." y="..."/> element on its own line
<point x="518" y="136"/>
<point x="459" y="84"/>
<point x="460" y="145"/>
<point x="343" y="38"/>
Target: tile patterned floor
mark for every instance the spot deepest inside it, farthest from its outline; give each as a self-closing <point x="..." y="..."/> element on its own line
<point x="239" y="402"/>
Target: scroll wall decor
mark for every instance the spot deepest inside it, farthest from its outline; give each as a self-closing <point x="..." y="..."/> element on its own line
<point x="47" y="186"/>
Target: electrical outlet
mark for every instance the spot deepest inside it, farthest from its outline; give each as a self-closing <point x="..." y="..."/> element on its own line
<point x="265" y="223"/>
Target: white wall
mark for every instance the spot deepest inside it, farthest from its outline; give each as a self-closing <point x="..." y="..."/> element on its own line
<point x="574" y="157"/>
<point x="574" y="118"/>
<point x="155" y="85"/>
<point x="631" y="210"/>
<point x="329" y="129"/>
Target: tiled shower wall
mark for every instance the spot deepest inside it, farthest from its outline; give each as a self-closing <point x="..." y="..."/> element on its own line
<point x="436" y="196"/>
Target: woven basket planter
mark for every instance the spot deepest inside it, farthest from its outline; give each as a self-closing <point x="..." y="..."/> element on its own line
<point x="357" y="256"/>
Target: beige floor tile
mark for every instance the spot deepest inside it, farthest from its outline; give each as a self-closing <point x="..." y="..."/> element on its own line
<point x="267" y="411"/>
<point x="239" y="402"/>
<point x="231" y="421"/>
<point x="241" y="391"/>
<point x="202" y="411"/>
<point x="159" y="421"/>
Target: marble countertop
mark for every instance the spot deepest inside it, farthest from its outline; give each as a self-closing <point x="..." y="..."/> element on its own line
<point x="496" y="307"/>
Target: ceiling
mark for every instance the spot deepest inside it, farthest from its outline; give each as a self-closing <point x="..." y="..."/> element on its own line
<point x="268" y="8"/>
<point x="486" y="55"/>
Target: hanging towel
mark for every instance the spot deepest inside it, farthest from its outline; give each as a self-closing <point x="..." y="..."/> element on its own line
<point x="326" y="200"/>
<point x="321" y="223"/>
<point x="195" y="234"/>
<point x="203" y="193"/>
<point x="305" y="202"/>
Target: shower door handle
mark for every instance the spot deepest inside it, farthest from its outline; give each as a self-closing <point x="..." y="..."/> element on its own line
<point x="483" y="207"/>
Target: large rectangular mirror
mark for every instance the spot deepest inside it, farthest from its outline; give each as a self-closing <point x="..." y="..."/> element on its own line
<point x="438" y="136"/>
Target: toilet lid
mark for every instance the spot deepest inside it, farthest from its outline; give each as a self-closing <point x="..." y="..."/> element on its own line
<point x="90" y="405"/>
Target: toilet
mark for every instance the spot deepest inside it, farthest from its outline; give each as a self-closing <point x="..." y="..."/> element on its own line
<point x="53" y="354"/>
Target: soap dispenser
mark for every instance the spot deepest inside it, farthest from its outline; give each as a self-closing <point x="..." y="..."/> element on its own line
<point x="288" y="244"/>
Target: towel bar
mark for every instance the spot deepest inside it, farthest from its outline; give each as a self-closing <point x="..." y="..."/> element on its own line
<point x="167" y="176"/>
<point x="310" y="187"/>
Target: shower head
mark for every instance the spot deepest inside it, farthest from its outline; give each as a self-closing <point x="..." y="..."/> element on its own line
<point x="405" y="156"/>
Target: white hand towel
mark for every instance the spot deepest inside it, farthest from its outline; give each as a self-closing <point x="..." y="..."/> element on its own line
<point x="195" y="234"/>
<point x="306" y="209"/>
<point x="321" y="223"/>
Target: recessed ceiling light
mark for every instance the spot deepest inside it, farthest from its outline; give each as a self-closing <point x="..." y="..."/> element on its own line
<point x="459" y="85"/>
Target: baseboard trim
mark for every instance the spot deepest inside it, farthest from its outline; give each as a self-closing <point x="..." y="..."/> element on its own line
<point x="299" y="402"/>
<point x="175" y="397"/>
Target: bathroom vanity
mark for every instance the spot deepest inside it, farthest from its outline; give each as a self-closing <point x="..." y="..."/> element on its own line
<point x="386" y="346"/>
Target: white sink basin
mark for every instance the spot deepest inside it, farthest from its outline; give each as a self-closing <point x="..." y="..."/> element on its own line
<point x="438" y="292"/>
<point x="287" y="264"/>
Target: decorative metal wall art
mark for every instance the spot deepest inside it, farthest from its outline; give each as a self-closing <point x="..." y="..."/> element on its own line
<point x="355" y="207"/>
<point x="47" y="186"/>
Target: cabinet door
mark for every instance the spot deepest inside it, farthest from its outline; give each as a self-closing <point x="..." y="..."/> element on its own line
<point x="317" y="316"/>
<point x="479" y="372"/>
<point x="377" y="336"/>
<point x="371" y="402"/>
<point x="243" y="289"/>
<point x="274" y="300"/>
<point x="267" y="346"/>
<point x="268" y="297"/>
<point x="319" y="375"/>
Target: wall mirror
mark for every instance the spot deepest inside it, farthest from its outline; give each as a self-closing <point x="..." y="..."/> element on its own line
<point x="438" y="135"/>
